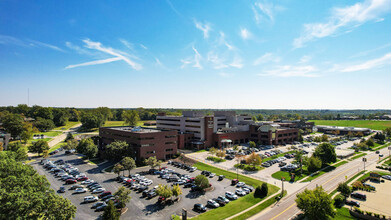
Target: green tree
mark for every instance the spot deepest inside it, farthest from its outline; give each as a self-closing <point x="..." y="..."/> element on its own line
<point x="316" y="204"/>
<point x="39" y="146"/>
<point x="69" y="137"/>
<point x="164" y="191"/>
<point x="344" y="189"/>
<point x="299" y="158"/>
<point x="105" y="112"/>
<point x="13" y="124"/>
<point x="74" y="115"/>
<point x="131" y="117"/>
<point x="370" y="142"/>
<point x="326" y="153"/>
<point x="118" y="168"/>
<point x="83" y="145"/>
<point x="176" y="190"/>
<point x="260" y="117"/>
<point x="27" y="195"/>
<point x="325" y="138"/>
<point x="235" y="147"/>
<point x="201" y="181"/>
<point x="212" y="151"/>
<point x="110" y="212"/>
<point x="123" y="196"/>
<point x="220" y="153"/>
<point x="19" y="150"/>
<point x="252" y="144"/>
<point x="300" y="136"/>
<point x="261" y="191"/>
<point x="44" y="124"/>
<point x="27" y="132"/>
<point x="314" y="164"/>
<point x="116" y="150"/>
<point x="91" y="151"/>
<point x="90" y="120"/>
<point x="71" y="144"/>
<point x="151" y="161"/>
<point x="128" y="163"/>
<point x="60" y="116"/>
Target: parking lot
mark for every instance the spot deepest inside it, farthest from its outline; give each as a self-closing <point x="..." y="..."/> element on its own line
<point x="139" y="207"/>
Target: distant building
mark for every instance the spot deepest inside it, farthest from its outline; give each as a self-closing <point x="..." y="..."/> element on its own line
<point x="4" y="139"/>
<point x="273" y="134"/>
<point x="144" y="142"/>
<point x="342" y="130"/>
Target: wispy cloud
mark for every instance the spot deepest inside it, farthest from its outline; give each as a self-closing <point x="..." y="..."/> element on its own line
<point x="217" y="62"/>
<point x="195" y="60"/>
<point x="225" y="75"/>
<point x="5" y="39"/>
<point x="292" y="71"/>
<point x="370" y="64"/>
<point x="245" y="34"/>
<point x="237" y="63"/>
<point x="223" y="41"/>
<point x="173" y="8"/>
<point x="364" y="53"/>
<point x="205" y="28"/>
<point x="127" y="44"/>
<point x="305" y="59"/>
<point x="266" y="58"/>
<point x="118" y="55"/>
<point x="344" y="19"/>
<point x="143" y="46"/>
<point x="265" y="11"/>
<point x="78" y="49"/>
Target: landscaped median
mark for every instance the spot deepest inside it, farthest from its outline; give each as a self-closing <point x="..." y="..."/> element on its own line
<point x="236" y="206"/>
<point x="326" y="170"/>
<point x="358" y="155"/>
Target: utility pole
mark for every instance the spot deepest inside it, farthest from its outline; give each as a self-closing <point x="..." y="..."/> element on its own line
<point x="364" y="159"/>
<point x="282" y="182"/>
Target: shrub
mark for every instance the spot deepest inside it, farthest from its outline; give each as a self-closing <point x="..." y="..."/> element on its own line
<point x="258" y="192"/>
<point x="215" y="159"/>
<point x="339" y="201"/>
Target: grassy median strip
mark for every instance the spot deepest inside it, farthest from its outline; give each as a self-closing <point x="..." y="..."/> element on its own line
<point x="328" y="169"/>
<point x="348" y="181"/>
<point x="258" y="208"/>
<point x="277" y="175"/>
<point x="234" y="206"/>
<point x="358" y="156"/>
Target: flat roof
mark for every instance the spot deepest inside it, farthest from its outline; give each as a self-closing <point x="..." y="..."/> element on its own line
<point x="135" y="129"/>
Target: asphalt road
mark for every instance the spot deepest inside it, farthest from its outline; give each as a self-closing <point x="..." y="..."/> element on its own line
<point x="139" y="207"/>
<point x="287" y="208"/>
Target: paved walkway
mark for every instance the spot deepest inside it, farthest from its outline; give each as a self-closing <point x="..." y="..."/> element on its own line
<point x="61" y="137"/>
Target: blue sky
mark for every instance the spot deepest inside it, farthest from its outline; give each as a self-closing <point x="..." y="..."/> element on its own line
<point x="302" y="54"/>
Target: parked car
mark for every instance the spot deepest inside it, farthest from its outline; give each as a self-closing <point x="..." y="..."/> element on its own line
<point x="103" y="194"/>
<point x="70" y="181"/>
<point x="99" y="190"/>
<point x="212" y="175"/>
<point x="359" y="196"/>
<point x="352" y="203"/>
<point x="101" y="208"/>
<point x="234" y="181"/>
<point x="240" y="184"/>
<point x="76" y="186"/>
<point x="212" y="203"/>
<point x="221" y="177"/>
<point x="192" y="169"/>
<point x="62" y="189"/>
<point x="231" y="195"/>
<point x="89" y="199"/>
<point x="240" y="192"/>
<point x="223" y="199"/>
<point x="98" y="204"/>
<point x="220" y="201"/>
<point x="199" y="207"/>
<point x="80" y="190"/>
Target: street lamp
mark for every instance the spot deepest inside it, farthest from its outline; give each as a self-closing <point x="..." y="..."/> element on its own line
<point x="364" y="159"/>
<point x="282" y="182"/>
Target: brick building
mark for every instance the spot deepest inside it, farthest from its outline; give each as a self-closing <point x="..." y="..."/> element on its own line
<point x="145" y="142"/>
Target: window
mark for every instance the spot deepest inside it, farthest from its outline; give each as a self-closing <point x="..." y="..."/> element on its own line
<point x="171" y="142"/>
<point x="147" y="145"/>
<point x="168" y="150"/>
<point x="171" y="136"/>
<point x="150" y="152"/>
<point x="192" y="126"/>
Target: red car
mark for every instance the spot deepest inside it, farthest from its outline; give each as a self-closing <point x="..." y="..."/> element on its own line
<point x="129" y="181"/>
<point x="82" y="178"/>
<point x="161" y="199"/>
<point x="162" y="168"/>
<point x="70" y="181"/>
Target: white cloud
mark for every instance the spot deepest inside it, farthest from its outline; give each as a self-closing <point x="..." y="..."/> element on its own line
<point x="77" y="48"/>
<point x="370" y="64"/>
<point x="237" y="63"/>
<point x="225" y="75"/>
<point x="218" y="63"/>
<point x="196" y="60"/>
<point x="291" y="71"/>
<point x="127" y="44"/>
<point x="305" y="59"/>
<point x="245" y="34"/>
<point x="265" y="11"/>
<point x="143" y="46"/>
<point x="5" y="39"/>
<point x="118" y="55"/>
<point x="223" y="41"/>
<point x="346" y="18"/>
<point x="266" y="58"/>
<point x="205" y="28"/>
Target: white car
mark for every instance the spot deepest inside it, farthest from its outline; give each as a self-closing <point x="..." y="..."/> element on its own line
<point x="246" y="190"/>
<point x="213" y="204"/>
<point x="148" y="182"/>
<point x="231" y="195"/>
<point x="240" y="184"/>
<point x="90" y="199"/>
<point x="192" y="169"/>
<point x="87" y="182"/>
<point x="240" y="192"/>
<point x="387" y="177"/>
<point x="80" y="190"/>
<point x="99" y="190"/>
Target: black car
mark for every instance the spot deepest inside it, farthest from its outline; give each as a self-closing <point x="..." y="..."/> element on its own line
<point x="221" y="177"/>
<point x="199" y="207"/>
<point x="352" y="203"/>
<point x="145" y="193"/>
<point x="152" y="194"/>
<point x="142" y="188"/>
<point x="188" y="185"/>
<point x="220" y="201"/>
<point x="195" y="188"/>
<point x="107" y="196"/>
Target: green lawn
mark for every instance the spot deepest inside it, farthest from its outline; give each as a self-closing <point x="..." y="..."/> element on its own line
<point x="376" y="125"/>
<point x="121" y="123"/>
<point x="258" y="208"/>
<point x="368" y="173"/>
<point x="381" y="146"/>
<point x="215" y="159"/>
<point x="388" y="162"/>
<point x="328" y="169"/>
<point x="343" y="213"/>
<point x="358" y="156"/>
<point x="96" y="161"/>
<point x="231" y="175"/>
<point x="68" y="125"/>
<point x="277" y="175"/>
<point x="61" y="144"/>
<point x="50" y="133"/>
<point x="248" y="167"/>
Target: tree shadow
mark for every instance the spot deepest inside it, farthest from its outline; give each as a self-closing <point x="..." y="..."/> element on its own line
<point x="194" y="195"/>
<point x="152" y="208"/>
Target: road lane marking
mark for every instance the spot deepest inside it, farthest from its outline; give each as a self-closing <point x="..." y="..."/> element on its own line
<point x="284" y="211"/>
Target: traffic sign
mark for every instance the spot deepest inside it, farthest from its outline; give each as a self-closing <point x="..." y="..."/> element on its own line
<point x="364" y="159"/>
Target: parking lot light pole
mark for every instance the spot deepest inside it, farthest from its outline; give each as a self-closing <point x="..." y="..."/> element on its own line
<point x="364" y="159"/>
<point x="282" y="182"/>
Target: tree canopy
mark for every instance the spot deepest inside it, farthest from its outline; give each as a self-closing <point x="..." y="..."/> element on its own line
<point x="201" y="181"/>
<point x="326" y="153"/>
<point x="123" y="196"/>
<point x="131" y="117"/>
<point x="39" y="146"/>
<point x="316" y="204"/>
<point x="27" y="195"/>
<point x="128" y="163"/>
<point x="110" y="212"/>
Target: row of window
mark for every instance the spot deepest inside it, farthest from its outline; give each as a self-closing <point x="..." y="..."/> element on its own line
<point x="192" y="126"/>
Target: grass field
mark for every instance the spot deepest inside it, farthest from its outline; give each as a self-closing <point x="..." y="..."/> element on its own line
<point x="68" y="125"/>
<point x="277" y="175"/>
<point x="358" y="156"/>
<point x="61" y="144"/>
<point x="258" y="208"/>
<point x="121" y="123"/>
<point x="343" y="213"/>
<point x="375" y="125"/>
<point x="96" y="161"/>
<point x="328" y="169"/>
